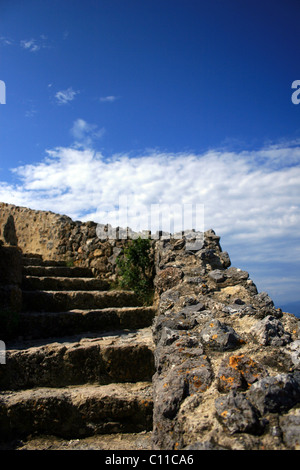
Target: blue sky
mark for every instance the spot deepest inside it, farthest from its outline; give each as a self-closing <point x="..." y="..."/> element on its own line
<point x="170" y="101"/>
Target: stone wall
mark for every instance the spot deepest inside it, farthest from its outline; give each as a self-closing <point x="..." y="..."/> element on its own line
<point x="10" y="277"/>
<point x="58" y="237"/>
<point x="227" y="361"/>
<point x="10" y="289"/>
<point x="33" y="231"/>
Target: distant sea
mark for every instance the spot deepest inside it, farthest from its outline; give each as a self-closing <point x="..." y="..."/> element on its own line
<point x="291" y="307"/>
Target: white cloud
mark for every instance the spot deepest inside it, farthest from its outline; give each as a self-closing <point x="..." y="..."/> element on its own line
<point x="85" y="133"/>
<point x="6" y="41"/>
<point x="251" y="200"/>
<point x="108" y="99"/>
<point x="31" y="112"/>
<point x="30" y="44"/>
<point x="65" y="96"/>
<point x="34" y="45"/>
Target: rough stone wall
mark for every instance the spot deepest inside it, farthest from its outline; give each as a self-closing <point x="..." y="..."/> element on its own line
<point x="35" y="231"/>
<point x="227" y="361"/>
<point x="10" y="280"/>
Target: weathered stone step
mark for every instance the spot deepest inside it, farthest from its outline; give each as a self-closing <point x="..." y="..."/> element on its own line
<point x="59" y="301"/>
<point x="59" y="271"/>
<point x="40" y="262"/>
<point x="76" y="411"/>
<point x="117" y="441"/>
<point x="102" y="359"/>
<point x="63" y="283"/>
<point x="47" y="324"/>
<point x="32" y="255"/>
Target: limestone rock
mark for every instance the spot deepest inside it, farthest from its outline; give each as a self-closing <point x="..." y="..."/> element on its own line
<point x="270" y="331"/>
<point x="167" y="278"/>
<point x="290" y="427"/>
<point x="238" y="372"/>
<point x="275" y="394"/>
<point x="217" y="275"/>
<point x="219" y="336"/>
<point x="238" y="415"/>
<point x="294" y="349"/>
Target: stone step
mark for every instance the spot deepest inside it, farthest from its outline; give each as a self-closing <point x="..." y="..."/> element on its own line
<point x="40" y="262"/>
<point x="26" y="261"/>
<point x="47" y="324"/>
<point x="63" y="283"/>
<point x="118" y="441"/>
<point x="32" y="255"/>
<point x="76" y="412"/>
<point x="59" y="301"/>
<point x="58" y="271"/>
<point x="101" y="359"/>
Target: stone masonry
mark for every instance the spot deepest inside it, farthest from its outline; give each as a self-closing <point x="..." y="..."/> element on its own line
<point x="227" y="361"/>
<point x="58" y="237"/>
<point x="220" y="363"/>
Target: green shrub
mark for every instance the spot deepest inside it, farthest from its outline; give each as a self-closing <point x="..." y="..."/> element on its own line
<point x="135" y="269"/>
<point x="69" y="262"/>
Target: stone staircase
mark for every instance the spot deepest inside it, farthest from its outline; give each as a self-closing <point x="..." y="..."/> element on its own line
<point x="78" y="374"/>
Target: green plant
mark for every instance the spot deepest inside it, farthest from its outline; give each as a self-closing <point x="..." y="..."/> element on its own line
<point x="135" y="268"/>
<point x="69" y="262"/>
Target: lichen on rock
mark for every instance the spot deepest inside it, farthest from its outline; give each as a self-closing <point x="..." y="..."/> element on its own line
<point x="227" y="360"/>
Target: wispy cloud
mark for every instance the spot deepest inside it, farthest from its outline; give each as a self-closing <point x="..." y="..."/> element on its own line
<point x="85" y="133"/>
<point x="34" y="45"/>
<point x="242" y="196"/>
<point x="66" y="96"/>
<point x="6" y="41"/>
<point x="108" y="99"/>
<point x="31" y="112"/>
<point x="30" y="44"/>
